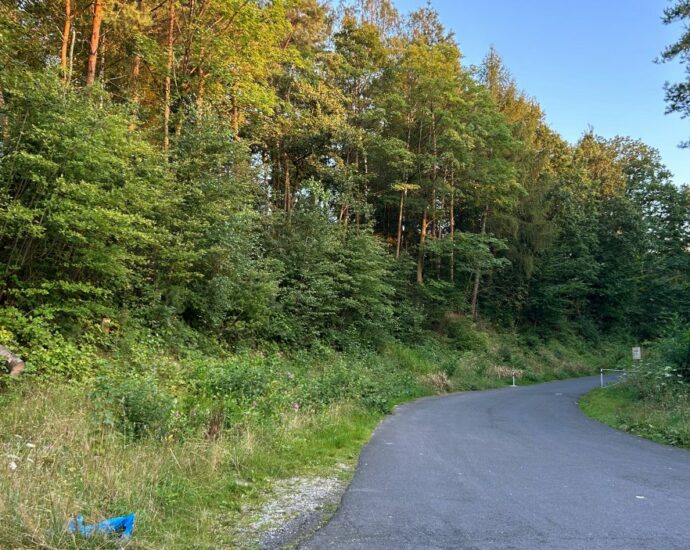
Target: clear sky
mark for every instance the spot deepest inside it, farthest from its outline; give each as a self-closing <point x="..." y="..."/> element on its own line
<point x="587" y="62"/>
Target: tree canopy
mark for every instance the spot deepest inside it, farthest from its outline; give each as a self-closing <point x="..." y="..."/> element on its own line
<point x="287" y="172"/>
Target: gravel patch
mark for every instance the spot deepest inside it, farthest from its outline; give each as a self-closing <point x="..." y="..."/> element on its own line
<point x="297" y="507"/>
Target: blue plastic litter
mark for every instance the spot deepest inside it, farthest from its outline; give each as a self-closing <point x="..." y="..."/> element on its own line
<point x="122" y="525"/>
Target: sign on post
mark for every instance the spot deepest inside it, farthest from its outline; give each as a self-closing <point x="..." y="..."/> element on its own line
<point x="637" y="354"/>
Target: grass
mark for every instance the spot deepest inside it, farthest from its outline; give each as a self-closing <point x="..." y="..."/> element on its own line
<point x="187" y="494"/>
<point x="664" y="419"/>
<point x="192" y="491"/>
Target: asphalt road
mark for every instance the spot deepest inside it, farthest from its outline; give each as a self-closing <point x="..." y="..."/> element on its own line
<point x="513" y="468"/>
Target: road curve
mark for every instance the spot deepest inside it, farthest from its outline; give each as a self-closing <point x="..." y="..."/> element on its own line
<point x="512" y="468"/>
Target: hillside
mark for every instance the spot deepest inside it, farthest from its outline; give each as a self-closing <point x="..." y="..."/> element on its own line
<point x="234" y="234"/>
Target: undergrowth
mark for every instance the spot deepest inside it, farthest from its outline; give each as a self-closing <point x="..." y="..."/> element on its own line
<point x="190" y="442"/>
<point x="654" y="400"/>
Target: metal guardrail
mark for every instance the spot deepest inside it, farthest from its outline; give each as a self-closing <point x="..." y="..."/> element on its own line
<point x="636" y="364"/>
<point x="601" y="374"/>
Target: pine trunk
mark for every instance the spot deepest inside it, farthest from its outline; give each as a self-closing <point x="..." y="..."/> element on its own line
<point x="136" y="63"/>
<point x="201" y="89"/>
<point x="66" y="33"/>
<point x="168" y="75"/>
<point x="136" y="71"/>
<point x="95" y="39"/>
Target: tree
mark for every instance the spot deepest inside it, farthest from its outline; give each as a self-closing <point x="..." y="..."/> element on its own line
<point x="94" y="42"/>
<point x="678" y="94"/>
<point x="85" y="205"/>
<point x="66" y="33"/>
<point x="170" y="41"/>
<point x="290" y="172"/>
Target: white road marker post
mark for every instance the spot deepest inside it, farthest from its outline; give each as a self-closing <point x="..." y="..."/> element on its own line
<point x="513" y="386"/>
<point x="601" y="374"/>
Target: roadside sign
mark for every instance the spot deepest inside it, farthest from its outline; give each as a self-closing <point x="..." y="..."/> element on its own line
<point x="637" y="354"/>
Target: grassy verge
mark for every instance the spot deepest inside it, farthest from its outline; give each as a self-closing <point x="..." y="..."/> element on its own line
<point x="665" y="419"/>
<point x="230" y="427"/>
<point x="187" y="494"/>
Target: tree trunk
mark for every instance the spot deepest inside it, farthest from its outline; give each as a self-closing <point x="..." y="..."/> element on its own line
<point x="366" y="174"/>
<point x="422" y="241"/>
<point x="136" y="71"/>
<point x="66" y="33"/>
<point x="400" y="221"/>
<point x="4" y="127"/>
<point x="276" y="175"/>
<point x="168" y="75"/>
<point x="95" y="39"/>
<point x="434" y="174"/>
<point x="477" y="274"/>
<point x="287" y="198"/>
<point x="235" y="120"/>
<point x="452" y="236"/>
<point x="344" y="216"/>
<point x="136" y="63"/>
<point x="71" y="56"/>
<point x="437" y="236"/>
<point x="103" y="48"/>
<point x="201" y="91"/>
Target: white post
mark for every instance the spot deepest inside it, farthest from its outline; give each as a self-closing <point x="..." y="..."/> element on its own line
<point x="601" y="371"/>
<point x="513" y="386"/>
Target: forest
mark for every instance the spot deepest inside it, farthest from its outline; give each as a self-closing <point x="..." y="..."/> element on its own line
<point x="215" y="214"/>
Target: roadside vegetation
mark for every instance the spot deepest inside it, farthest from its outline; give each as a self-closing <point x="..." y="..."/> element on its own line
<point x="654" y="400"/>
<point x="193" y="443"/>
<point x="235" y="233"/>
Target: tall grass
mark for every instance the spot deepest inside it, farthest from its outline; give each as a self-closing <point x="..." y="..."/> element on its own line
<point x="186" y="494"/>
<point x="192" y="487"/>
<point x="664" y="420"/>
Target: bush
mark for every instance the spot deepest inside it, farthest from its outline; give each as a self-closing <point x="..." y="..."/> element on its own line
<point x="667" y="368"/>
<point x="675" y="352"/>
<point x="335" y="286"/>
<point x="85" y="197"/>
<point x="134" y="405"/>
<point x="464" y="336"/>
<point x="46" y="352"/>
<point x="364" y="379"/>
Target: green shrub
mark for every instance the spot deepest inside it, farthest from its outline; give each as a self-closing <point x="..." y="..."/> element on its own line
<point x="667" y="367"/>
<point x="47" y="352"/>
<point x="134" y="405"/>
<point x="675" y="352"/>
<point x="464" y="336"/>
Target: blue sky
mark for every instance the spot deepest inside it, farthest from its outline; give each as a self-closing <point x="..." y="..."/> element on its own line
<point x="587" y="62"/>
